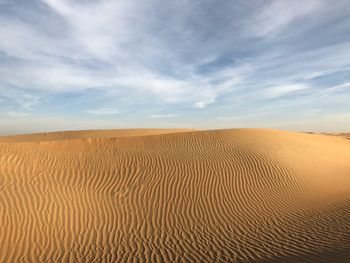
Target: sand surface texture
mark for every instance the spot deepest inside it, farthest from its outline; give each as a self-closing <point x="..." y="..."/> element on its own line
<point x="242" y="195"/>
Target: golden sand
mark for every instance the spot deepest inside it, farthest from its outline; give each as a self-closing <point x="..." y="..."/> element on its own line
<point x="148" y="195"/>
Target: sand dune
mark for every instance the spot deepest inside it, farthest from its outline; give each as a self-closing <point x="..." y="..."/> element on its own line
<point x="243" y="195"/>
<point x="346" y="135"/>
<point x="54" y="136"/>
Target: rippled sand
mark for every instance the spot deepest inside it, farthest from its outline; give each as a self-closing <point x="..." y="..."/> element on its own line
<point x="148" y="195"/>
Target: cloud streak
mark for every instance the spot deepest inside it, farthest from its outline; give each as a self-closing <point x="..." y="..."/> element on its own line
<point x="104" y="111"/>
<point x="277" y="15"/>
<point x="159" y="116"/>
<point x="198" y="60"/>
<point x="285" y="90"/>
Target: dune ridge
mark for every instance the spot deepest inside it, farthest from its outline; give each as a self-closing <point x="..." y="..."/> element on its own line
<point x="235" y="195"/>
<point x="68" y="135"/>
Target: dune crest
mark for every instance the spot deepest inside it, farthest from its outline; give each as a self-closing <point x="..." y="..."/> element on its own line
<point x="69" y="135"/>
<point x="239" y="195"/>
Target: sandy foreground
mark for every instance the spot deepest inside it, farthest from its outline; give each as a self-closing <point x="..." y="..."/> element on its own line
<point x="162" y="195"/>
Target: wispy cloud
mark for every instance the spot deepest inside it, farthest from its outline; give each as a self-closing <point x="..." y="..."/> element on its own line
<point x="277" y="15"/>
<point x="18" y="114"/>
<point x="190" y="58"/>
<point x="282" y="90"/>
<point x="202" y="104"/>
<point x="241" y="117"/>
<point x="104" y="111"/>
<point x="338" y="87"/>
<point x="159" y="116"/>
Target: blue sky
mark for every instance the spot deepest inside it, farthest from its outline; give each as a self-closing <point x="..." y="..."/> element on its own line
<point x="69" y="64"/>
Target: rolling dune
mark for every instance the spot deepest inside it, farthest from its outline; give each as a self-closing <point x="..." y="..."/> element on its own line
<point x="53" y="136"/>
<point x="239" y="195"/>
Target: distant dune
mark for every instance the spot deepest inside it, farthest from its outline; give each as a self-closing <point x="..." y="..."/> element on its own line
<point x="150" y="195"/>
<point x="346" y="135"/>
<point x="65" y="135"/>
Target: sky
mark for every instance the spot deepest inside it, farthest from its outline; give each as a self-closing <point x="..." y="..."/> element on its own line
<point x="83" y="64"/>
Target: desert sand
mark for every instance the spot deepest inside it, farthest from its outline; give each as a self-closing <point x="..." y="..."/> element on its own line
<point x="148" y="195"/>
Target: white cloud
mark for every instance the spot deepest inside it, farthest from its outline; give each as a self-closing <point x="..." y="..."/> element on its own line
<point x="104" y="111"/>
<point x="126" y="52"/>
<point x="241" y="117"/>
<point x="97" y="26"/>
<point x="281" y="90"/>
<point x="113" y="33"/>
<point x="201" y="104"/>
<point x="19" y="100"/>
<point x="336" y="88"/>
<point x="159" y="116"/>
<point x="278" y="14"/>
<point x="18" y="114"/>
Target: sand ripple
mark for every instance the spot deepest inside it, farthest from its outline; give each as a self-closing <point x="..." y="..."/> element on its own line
<point x="244" y="195"/>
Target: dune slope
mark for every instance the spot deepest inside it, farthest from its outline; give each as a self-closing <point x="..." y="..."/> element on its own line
<point x="243" y="195"/>
<point x="54" y="136"/>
